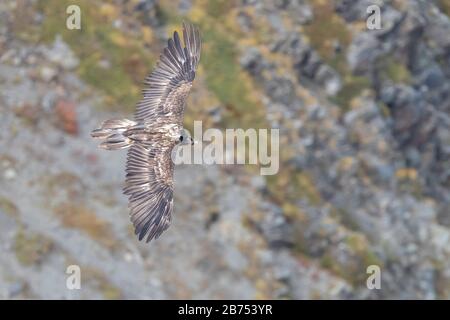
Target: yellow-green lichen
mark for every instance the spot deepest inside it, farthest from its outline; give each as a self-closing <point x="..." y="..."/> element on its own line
<point x="112" y="60"/>
<point x="31" y="248"/>
<point x="74" y="215"/>
<point x="353" y="87"/>
<point x="98" y="280"/>
<point x="291" y="186"/>
<point x="223" y="74"/>
<point x="396" y="71"/>
<point x="444" y="5"/>
<point x="325" y="30"/>
<point x="7" y="206"/>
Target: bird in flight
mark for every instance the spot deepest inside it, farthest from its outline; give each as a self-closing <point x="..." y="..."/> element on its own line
<point x="157" y="128"/>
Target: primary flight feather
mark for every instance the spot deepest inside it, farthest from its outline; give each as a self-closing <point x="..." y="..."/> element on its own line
<point x="157" y="128"/>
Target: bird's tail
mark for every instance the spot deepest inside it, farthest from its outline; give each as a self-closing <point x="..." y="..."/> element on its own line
<point x="112" y="131"/>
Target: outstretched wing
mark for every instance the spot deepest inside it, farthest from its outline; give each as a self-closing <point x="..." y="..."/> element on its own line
<point x="149" y="186"/>
<point x="169" y="84"/>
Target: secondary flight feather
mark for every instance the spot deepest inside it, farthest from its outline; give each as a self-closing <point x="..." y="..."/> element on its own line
<point x="157" y="128"/>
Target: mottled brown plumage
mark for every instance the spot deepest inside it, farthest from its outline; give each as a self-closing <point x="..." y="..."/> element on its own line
<point x="156" y="130"/>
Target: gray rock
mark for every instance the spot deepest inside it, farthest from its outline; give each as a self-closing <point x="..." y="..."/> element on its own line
<point x="329" y="79"/>
<point x="363" y="52"/>
<point x="252" y="61"/>
<point x="60" y="54"/>
<point x="47" y="73"/>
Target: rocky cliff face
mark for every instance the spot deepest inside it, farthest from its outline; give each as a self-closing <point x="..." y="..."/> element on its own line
<point x="364" y="119"/>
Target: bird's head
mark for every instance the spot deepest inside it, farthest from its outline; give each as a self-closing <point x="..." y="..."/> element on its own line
<point x="185" y="138"/>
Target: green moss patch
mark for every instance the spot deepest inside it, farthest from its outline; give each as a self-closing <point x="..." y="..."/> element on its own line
<point x="77" y="216"/>
<point x="353" y="86"/>
<point x="8" y="207"/>
<point x="110" y="59"/>
<point x="31" y="248"/>
<point x="326" y="29"/>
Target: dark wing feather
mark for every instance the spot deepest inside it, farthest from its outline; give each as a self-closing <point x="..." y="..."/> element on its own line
<point x="149" y="186"/>
<point x="168" y="86"/>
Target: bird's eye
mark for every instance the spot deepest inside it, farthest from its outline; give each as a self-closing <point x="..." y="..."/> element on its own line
<point x="181" y="138"/>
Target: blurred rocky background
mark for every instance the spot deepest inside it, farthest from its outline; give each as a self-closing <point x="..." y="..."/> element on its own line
<point x="364" y="119"/>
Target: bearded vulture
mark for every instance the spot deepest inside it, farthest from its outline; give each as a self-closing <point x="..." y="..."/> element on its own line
<point x="157" y="128"/>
